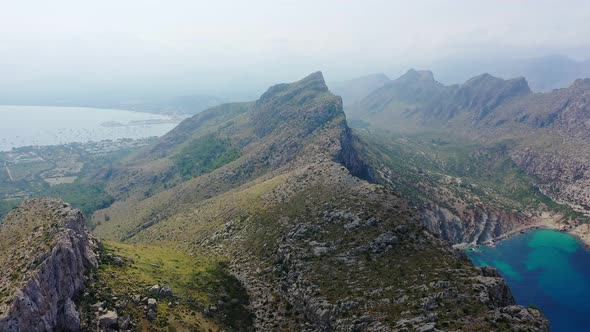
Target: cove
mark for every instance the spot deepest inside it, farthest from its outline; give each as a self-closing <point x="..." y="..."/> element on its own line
<point x="548" y="269"/>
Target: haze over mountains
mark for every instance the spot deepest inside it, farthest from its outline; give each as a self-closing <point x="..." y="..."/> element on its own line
<point x="543" y="74"/>
<point x="311" y="224"/>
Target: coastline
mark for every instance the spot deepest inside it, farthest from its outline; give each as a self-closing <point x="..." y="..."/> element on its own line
<point x="581" y="232"/>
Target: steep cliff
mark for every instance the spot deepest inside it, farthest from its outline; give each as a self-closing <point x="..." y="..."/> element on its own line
<point x="45" y="252"/>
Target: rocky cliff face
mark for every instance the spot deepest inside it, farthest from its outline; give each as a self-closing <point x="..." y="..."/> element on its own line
<point x="477" y="226"/>
<point x="45" y="253"/>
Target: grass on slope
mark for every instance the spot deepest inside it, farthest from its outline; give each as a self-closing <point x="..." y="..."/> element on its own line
<point x="203" y="155"/>
<point x="86" y="197"/>
<point x="197" y="282"/>
<point x="6" y="206"/>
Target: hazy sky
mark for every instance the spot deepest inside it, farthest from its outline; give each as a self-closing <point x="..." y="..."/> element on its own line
<point x="63" y="48"/>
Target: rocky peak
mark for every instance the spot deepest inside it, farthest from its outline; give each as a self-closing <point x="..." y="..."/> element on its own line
<point x="301" y="106"/>
<point x="482" y="94"/>
<point x="44" y="251"/>
<point x="486" y="83"/>
<point x="581" y="84"/>
<point x="313" y="82"/>
<point x="485" y="77"/>
<point x="413" y="75"/>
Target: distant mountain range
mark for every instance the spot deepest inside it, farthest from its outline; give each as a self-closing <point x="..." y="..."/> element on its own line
<point x="543" y="74"/>
<point x="417" y="94"/>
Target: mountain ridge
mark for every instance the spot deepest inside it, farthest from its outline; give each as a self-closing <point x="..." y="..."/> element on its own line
<point x="299" y="228"/>
<point x="418" y="95"/>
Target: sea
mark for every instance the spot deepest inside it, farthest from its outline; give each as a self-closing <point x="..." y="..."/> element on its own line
<point x="548" y="269"/>
<point x="44" y="125"/>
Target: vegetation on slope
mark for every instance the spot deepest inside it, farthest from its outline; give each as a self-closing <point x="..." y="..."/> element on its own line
<point x="203" y="155"/>
<point x="86" y="197"/>
<point x="205" y="296"/>
<point x="6" y="206"/>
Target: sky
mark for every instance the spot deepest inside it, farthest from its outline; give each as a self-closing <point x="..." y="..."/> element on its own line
<point x="74" y="50"/>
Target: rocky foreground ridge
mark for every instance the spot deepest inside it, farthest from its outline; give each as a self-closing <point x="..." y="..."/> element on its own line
<point x="45" y="252"/>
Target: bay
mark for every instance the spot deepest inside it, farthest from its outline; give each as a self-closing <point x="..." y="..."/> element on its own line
<point x="548" y="269"/>
<point x="45" y="125"/>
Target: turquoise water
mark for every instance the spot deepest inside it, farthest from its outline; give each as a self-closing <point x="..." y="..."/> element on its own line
<point x="547" y="268"/>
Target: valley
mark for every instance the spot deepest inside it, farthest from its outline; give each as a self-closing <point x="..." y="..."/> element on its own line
<point x="71" y="172"/>
<point x="503" y="182"/>
<point x="469" y="193"/>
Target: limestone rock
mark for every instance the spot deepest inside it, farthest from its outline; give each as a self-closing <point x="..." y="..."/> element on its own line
<point x="151" y="315"/>
<point x="62" y="251"/>
<point x="155" y="289"/>
<point x="124" y="322"/>
<point x="166" y="291"/>
<point x="429" y="327"/>
<point x="152" y="304"/>
<point x="108" y="320"/>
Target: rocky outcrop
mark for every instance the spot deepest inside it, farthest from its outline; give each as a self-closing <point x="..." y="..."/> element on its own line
<point x="478" y="226"/>
<point x="494" y="291"/>
<point x="299" y="107"/>
<point x="326" y="270"/>
<point x="42" y="297"/>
